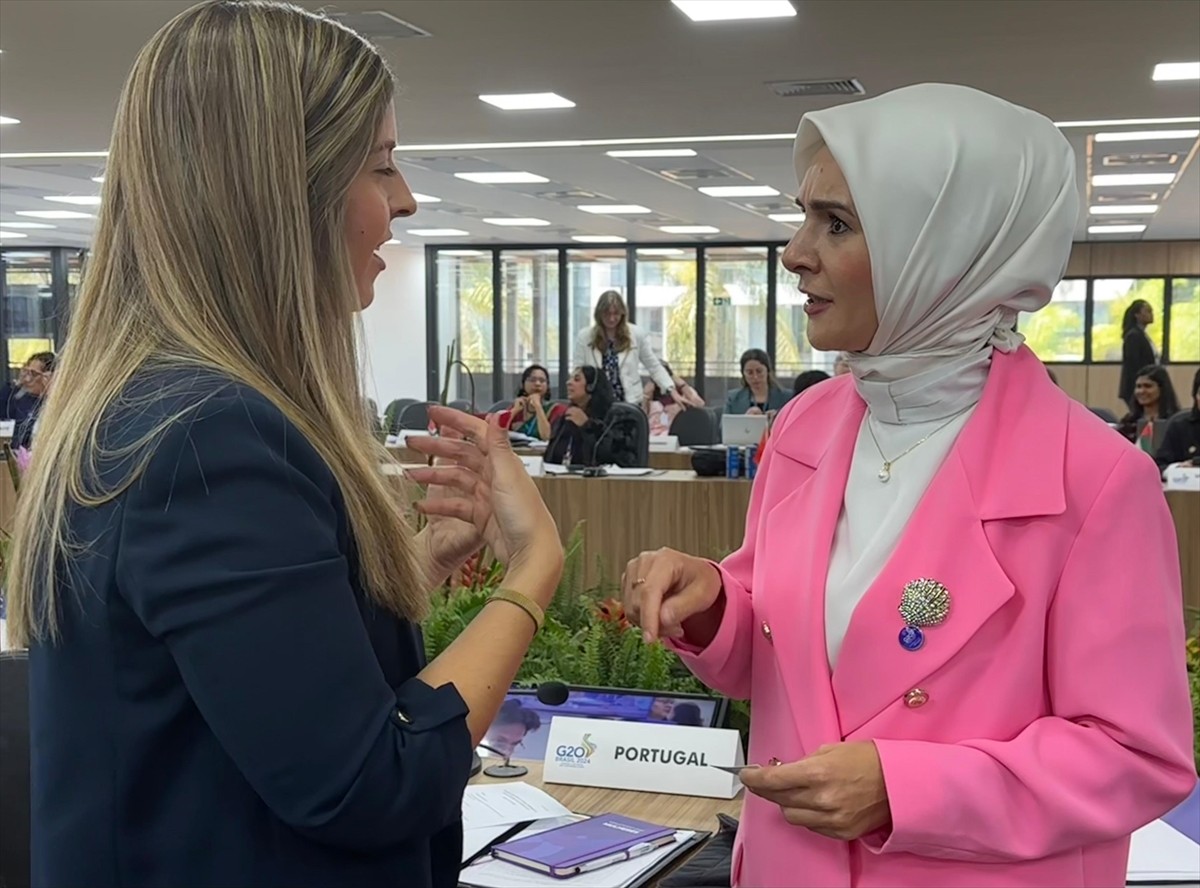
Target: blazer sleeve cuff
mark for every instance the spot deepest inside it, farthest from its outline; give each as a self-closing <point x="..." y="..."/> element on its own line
<point x="708" y="663"/>
<point x="420" y="708"/>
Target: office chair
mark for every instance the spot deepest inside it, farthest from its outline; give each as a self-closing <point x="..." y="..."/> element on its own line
<point x="415" y="417"/>
<point x="632" y="417"/>
<point x="500" y="406"/>
<point x="694" y="428"/>
<point x="391" y="416"/>
<point x="461" y="404"/>
<point x="14" y="769"/>
<point x="1105" y="414"/>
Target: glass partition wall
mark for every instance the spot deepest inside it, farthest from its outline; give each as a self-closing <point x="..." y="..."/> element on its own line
<point x="704" y="305"/>
<point x="37" y="287"/>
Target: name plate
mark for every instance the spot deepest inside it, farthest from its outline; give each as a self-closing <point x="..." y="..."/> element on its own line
<point x="8" y="428"/>
<point x="645" y="757"/>
<point x="664" y="443"/>
<point x="1183" y="478"/>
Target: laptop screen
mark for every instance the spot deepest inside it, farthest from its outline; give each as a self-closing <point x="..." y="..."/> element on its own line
<point x="522" y="727"/>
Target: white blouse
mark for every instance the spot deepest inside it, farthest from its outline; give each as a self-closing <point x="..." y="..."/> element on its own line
<point x="936" y="401"/>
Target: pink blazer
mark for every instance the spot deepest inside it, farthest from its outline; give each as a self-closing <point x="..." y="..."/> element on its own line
<point x="1054" y="717"/>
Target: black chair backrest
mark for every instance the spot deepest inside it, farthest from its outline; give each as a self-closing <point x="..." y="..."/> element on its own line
<point x="635" y="419"/>
<point x="500" y="406"/>
<point x="415" y="417"/>
<point x="14" y="769"/>
<point x="461" y="404"/>
<point x="391" y="416"/>
<point x="694" y="427"/>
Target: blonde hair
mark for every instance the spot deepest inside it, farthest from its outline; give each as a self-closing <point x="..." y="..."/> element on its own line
<point x="622" y="340"/>
<point x="221" y="244"/>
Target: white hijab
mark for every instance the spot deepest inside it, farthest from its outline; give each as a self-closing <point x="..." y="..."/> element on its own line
<point x="968" y="204"/>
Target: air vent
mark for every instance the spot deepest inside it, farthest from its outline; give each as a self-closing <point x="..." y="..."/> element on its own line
<point x="803" y="89"/>
<point x="378" y="25"/>
<point x="1125" y="197"/>
<point x="1141" y="159"/>
<point x="701" y="174"/>
<point x="571" y="194"/>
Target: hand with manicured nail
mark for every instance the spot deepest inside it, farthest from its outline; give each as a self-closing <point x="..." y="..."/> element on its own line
<point x="670" y="595"/>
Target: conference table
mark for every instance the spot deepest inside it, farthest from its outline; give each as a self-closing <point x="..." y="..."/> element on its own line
<point x="626" y="515"/>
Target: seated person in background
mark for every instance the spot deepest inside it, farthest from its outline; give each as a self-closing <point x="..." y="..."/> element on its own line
<point x="1153" y="398"/>
<point x="580" y="436"/>
<point x="661" y="407"/>
<point x="22" y="401"/>
<point x="661" y="708"/>
<point x="760" y="394"/>
<point x="1181" y="441"/>
<point x="510" y="726"/>
<point x="529" y="415"/>
<point x="806" y="379"/>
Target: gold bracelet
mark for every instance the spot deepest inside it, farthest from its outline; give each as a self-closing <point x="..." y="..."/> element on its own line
<point x="525" y="603"/>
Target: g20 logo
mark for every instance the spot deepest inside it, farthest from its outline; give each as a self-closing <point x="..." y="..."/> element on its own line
<point x="581" y="753"/>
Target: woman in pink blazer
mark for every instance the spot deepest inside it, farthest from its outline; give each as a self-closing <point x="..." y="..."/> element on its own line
<point x="958" y="676"/>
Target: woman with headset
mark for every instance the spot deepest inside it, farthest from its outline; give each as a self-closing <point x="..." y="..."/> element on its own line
<point x="583" y="435"/>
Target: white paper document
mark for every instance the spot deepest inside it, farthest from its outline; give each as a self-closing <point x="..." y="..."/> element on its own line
<point x="492" y="873"/>
<point x="503" y="804"/>
<point x="1160" y="853"/>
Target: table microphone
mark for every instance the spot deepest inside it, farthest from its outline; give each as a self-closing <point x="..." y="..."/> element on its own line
<point x="506" y="769"/>
<point x="553" y="693"/>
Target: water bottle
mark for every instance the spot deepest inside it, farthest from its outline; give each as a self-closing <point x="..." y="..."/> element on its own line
<point x="733" y="467"/>
<point x="751" y="461"/>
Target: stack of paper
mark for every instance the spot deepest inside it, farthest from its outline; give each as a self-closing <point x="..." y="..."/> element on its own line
<point x="490" y="810"/>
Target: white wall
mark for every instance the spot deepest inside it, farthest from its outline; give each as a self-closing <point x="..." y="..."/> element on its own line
<point x="393" y="343"/>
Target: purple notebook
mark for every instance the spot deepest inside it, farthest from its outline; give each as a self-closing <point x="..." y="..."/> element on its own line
<point x="589" y="844"/>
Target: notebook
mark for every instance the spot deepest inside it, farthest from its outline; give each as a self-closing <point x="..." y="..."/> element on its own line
<point x="590" y="844"/>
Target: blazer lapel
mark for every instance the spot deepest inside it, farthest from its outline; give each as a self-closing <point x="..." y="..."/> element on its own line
<point x="1006" y="464"/>
<point x="944" y="541"/>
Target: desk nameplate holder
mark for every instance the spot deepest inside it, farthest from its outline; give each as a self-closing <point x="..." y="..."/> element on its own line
<point x="643" y="756"/>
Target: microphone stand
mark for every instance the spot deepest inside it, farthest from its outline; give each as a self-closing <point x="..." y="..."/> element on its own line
<point x="593" y="470"/>
<point x="502" y="771"/>
<point x="470" y="379"/>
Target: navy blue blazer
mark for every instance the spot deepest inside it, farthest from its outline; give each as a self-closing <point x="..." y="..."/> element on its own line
<point x="225" y="706"/>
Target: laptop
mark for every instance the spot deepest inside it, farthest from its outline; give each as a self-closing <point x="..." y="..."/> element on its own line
<point x="742" y="430"/>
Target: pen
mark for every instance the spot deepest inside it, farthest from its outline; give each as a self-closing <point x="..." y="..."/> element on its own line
<point x="732" y="769"/>
<point x="628" y="854"/>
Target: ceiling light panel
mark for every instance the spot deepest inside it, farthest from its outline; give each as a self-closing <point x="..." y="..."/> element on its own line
<point x="734" y="10"/>
<point x="1177" y="71"/>
<point x="1116" y="229"/>
<point x="653" y="152"/>
<point x="787" y="217"/>
<point x="425" y="198"/>
<point x="26" y="225"/>
<point x="1147" y="135"/>
<point x="1116" y="209"/>
<point x="55" y="214"/>
<point x="689" y="229"/>
<point x="527" y="101"/>
<point x="518" y="222"/>
<point x="80" y="200"/>
<point x="1114" y="179"/>
<point x="437" y="232"/>
<point x="738" y="191"/>
<point x="502" y="177"/>
<point x="615" y="209"/>
<point x="599" y="239"/>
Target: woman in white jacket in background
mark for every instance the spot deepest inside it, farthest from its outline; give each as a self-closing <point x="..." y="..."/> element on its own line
<point x="620" y="350"/>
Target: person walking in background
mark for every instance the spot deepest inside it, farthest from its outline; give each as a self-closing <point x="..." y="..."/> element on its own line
<point x="1154" y="399"/>
<point x="620" y="349"/>
<point x="530" y="414"/>
<point x="220" y="590"/>
<point x="958" y="675"/>
<point x="1181" y="441"/>
<point x="759" y="394"/>
<point x="1137" y="351"/>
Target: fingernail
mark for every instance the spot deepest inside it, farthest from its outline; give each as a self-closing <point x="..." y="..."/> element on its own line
<point x="646" y="637"/>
